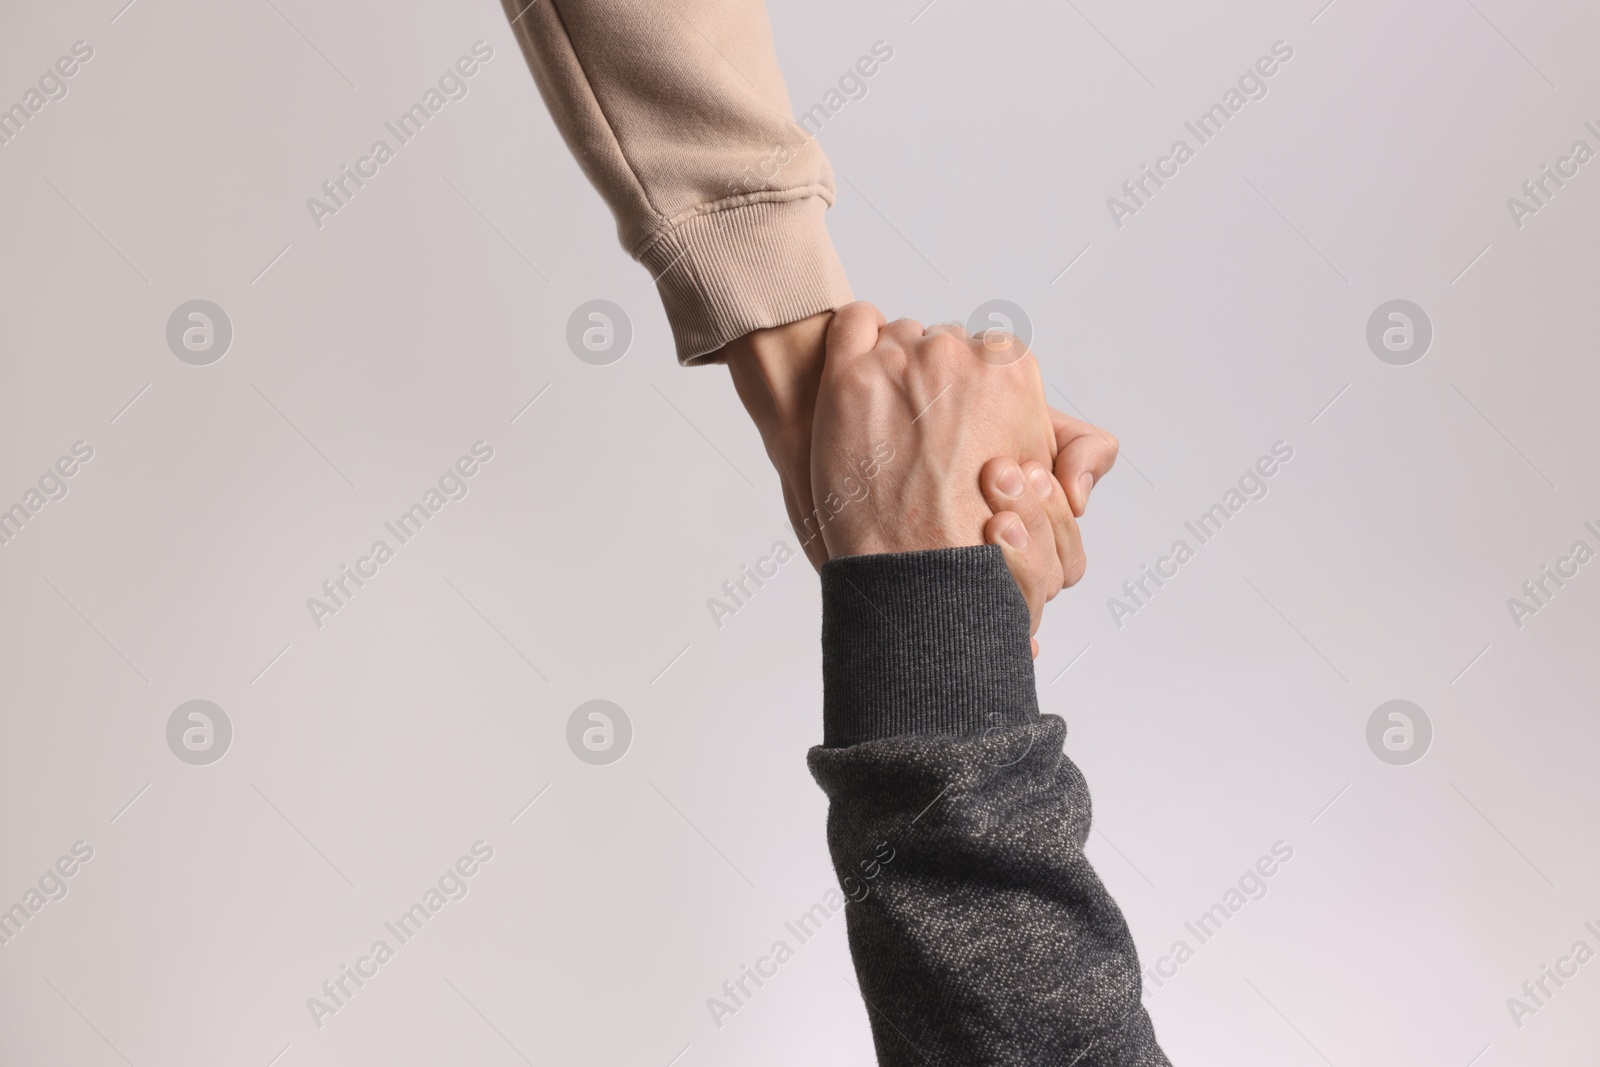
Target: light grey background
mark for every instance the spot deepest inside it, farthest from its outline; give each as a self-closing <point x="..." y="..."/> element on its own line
<point x="367" y="755"/>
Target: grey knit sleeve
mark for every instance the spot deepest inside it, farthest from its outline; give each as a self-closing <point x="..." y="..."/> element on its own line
<point x="980" y="933"/>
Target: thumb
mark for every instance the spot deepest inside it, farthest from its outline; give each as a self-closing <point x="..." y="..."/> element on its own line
<point x="1028" y="569"/>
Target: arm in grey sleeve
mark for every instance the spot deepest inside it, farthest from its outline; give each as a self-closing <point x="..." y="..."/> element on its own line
<point x="980" y="932"/>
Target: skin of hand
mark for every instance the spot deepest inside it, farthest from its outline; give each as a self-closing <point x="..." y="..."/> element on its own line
<point x="1034" y="527"/>
<point x="777" y="372"/>
<point x="909" y="422"/>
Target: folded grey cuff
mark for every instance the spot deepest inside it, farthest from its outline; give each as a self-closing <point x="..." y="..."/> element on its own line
<point x="760" y="264"/>
<point x="924" y="643"/>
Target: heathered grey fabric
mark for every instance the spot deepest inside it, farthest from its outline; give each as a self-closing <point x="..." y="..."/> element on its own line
<point x="980" y="933"/>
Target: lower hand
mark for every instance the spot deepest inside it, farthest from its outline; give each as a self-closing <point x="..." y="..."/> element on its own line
<point x="777" y="373"/>
<point x="909" y="421"/>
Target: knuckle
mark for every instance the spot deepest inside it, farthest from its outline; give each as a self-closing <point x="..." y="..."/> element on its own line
<point x="1073" y="569"/>
<point x="943" y="347"/>
<point x="905" y="330"/>
<point x="860" y="311"/>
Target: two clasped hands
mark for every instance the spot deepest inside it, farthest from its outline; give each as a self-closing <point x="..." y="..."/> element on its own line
<point x="978" y="455"/>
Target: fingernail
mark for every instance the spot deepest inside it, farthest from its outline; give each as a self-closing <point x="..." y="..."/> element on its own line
<point x="1043" y="483"/>
<point x="1085" y="483"/>
<point x="1016" y="535"/>
<point x="1010" y="481"/>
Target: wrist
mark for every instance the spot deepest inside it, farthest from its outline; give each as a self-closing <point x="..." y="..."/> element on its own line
<point x="776" y="372"/>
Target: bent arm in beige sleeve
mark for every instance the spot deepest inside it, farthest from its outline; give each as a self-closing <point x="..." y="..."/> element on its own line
<point x="678" y="114"/>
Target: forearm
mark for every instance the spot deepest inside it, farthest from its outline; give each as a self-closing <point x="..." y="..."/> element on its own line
<point x="982" y="935"/>
<point x="679" y="116"/>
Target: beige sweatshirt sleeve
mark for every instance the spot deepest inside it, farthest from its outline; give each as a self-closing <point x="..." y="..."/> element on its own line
<point x="677" y="111"/>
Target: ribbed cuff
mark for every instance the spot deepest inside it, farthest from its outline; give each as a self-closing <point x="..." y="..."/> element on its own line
<point x="924" y="643"/>
<point x="726" y="273"/>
